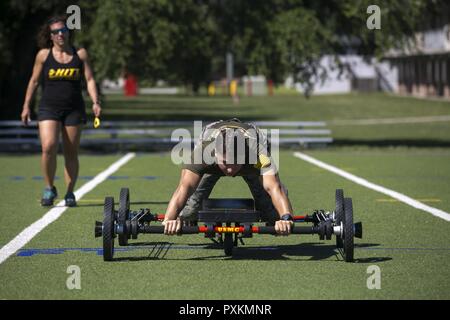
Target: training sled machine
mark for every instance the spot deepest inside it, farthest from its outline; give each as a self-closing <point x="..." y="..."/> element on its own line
<point x="230" y="220"/>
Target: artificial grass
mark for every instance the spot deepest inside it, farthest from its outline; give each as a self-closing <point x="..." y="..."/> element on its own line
<point x="410" y="246"/>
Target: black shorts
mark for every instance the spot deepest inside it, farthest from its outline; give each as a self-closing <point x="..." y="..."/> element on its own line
<point x="72" y="117"/>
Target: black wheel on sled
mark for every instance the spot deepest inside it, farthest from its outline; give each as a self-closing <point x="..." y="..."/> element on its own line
<point x="349" y="231"/>
<point x="124" y="209"/>
<point x="108" y="229"/>
<point x="339" y="214"/>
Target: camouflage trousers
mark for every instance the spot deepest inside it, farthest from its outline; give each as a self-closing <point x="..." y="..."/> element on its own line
<point x="263" y="202"/>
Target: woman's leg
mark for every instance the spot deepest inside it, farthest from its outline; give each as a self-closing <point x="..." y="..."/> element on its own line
<point x="49" y="135"/>
<point x="71" y="142"/>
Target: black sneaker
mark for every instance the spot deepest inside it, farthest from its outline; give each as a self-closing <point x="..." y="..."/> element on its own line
<point x="70" y="199"/>
<point x="49" y="196"/>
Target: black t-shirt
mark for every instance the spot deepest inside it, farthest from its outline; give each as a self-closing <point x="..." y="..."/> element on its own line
<point x="62" y="83"/>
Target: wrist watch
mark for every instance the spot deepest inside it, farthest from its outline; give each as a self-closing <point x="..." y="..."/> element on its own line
<point x="287" y="217"/>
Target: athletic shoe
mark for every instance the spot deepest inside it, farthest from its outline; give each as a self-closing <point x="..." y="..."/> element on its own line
<point x="70" y="199"/>
<point x="49" y="196"/>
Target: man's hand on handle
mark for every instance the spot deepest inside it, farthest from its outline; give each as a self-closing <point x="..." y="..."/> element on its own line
<point x="172" y="227"/>
<point x="283" y="228"/>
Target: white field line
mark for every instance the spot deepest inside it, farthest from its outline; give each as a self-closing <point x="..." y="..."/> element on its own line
<point x="31" y="231"/>
<point x="394" y="194"/>
<point x="364" y="122"/>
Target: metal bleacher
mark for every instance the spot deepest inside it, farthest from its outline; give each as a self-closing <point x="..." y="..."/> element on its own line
<point x="155" y="135"/>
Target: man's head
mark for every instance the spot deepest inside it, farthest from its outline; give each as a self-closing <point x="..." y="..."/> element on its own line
<point x="228" y="169"/>
<point x="232" y="150"/>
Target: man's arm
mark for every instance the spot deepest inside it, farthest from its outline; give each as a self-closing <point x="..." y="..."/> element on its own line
<point x="280" y="200"/>
<point x="186" y="187"/>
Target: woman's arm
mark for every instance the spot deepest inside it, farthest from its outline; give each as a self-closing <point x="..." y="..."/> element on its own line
<point x="33" y="84"/>
<point x="90" y="81"/>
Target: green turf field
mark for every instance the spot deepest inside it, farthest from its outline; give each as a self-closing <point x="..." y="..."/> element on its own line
<point x="329" y="108"/>
<point x="410" y="246"/>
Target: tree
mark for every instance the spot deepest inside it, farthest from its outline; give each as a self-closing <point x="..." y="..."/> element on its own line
<point x="281" y="37"/>
<point x="153" y="39"/>
<point x="19" y="25"/>
<point x="185" y="41"/>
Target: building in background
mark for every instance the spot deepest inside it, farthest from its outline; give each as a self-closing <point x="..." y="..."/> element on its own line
<point x="421" y="68"/>
<point x="351" y="73"/>
<point x="424" y="65"/>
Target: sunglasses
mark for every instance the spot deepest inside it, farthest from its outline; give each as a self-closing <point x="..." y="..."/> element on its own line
<point x="56" y="31"/>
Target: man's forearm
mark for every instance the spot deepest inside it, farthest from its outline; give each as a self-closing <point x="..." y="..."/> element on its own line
<point x="172" y="211"/>
<point x="177" y="203"/>
<point x="281" y="201"/>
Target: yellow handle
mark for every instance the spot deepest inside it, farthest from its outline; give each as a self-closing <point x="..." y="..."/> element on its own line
<point x="96" y="122"/>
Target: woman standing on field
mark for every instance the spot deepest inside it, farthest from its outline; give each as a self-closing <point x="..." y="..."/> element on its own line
<point x="61" y="108"/>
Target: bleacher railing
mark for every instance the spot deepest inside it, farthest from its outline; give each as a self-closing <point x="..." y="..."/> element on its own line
<point x="149" y="135"/>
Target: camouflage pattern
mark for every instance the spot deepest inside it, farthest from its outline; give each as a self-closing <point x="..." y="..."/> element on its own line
<point x="263" y="202"/>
